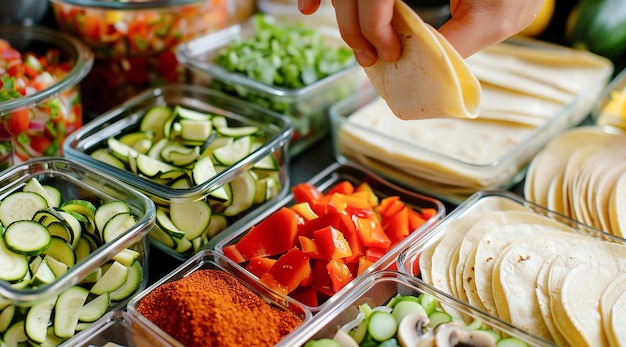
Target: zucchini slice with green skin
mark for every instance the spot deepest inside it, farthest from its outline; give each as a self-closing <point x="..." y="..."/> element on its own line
<point x="243" y="191"/>
<point x="154" y="119"/>
<point x="107" y="210"/>
<point x="127" y="256"/>
<point x="37" y="319"/>
<point x="27" y="237"/>
<point x="6" y="317"/>
<point x="103" y="155"/>
<point x="233" y="152"/>
<point x="54" y="195"/>
<point x="96" y="308"/>
<point x="20" y="206"/>
<point x="118" y="225"/>
<point x="67" y="310"/>
<point x="112" y="279"/>
<point x="133" y="282"/>
<point x="61" y="250"/>
<point x="16" y="334"/>
<point x="164" y="222"/>
<point x="34" y="186"/>
<point x="191" y="217"/>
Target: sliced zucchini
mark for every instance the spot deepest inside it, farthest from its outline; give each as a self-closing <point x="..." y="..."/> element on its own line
<point x="131" y="139"/>
<point x="183" y="245"/>
<point x="96" y="308"/>
<point x="67" y="309"/>
<point x="158" y="235"/>
<point x="27" y="237"/>
<point x="267" y="163"/>
<point x="111" y="279"/>
<point x="218" y="142"/>
<point x="118" y="225"/>
<point x="15" y="335"/>
<point x="233" y="152"/>
<point x="58" y="268"/>
<point x="196" y="130"/>
<point x="61" y="250"/>
<point x="243" y="191"/>
<point x="61" y="230"/>
<point x="103" y="155"/>
<point x="179" y="155"/>
<point x="191" y="217"/>
<point x="133" y="282"/>
<point x="152" y="167"/>
<point x="83" y="207"/>
<point x="43" y="275"/>
<point x="154" y="119"/>
<point x="164" y="222"/>
<point x="187" y="113"/>
<point x="20" y="206"/>
<point x="71" y="219"/>
<point x="34" y="186"/>
<point x="37" y="319"/>
<point x="120" y="150"/>
<point x="218" y="223"/>
<point x="107" y="210"/>
<point x="237" y="131"/>
<point x="127" y="256"/>
<point x="6" y="317"/>
<point x="203" y="171"/>
<point x="54" y="195"/>
<point x="157" y="147"/>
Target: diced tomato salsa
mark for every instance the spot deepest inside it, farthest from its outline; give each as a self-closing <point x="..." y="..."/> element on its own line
<point x="312" y="249"/>
<point x="39" y="130"/>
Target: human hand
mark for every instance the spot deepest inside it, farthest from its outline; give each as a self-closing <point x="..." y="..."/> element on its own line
<point x="365" y="25"/>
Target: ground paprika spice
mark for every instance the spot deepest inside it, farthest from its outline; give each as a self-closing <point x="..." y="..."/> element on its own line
<point x="212" y="308"/>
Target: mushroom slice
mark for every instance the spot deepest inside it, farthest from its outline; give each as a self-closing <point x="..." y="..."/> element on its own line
<point x="412" y="329"/>
<point x="451" y="334"/>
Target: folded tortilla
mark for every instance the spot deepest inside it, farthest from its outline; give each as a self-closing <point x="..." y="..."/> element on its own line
<point x="430" y="79"/>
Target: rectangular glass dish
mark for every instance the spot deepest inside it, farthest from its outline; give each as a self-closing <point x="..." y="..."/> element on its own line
<point x="454" y="158"/>
<point x="210" y="260"/>
<point x="378" y="289"/>
<point x="265" y="163"/>
<point x="120" y="328"/>
<point x="306" y="107"/>
<point x="66" y="265"/>
<point x="326" y="181"/>
<point x="495" y="251"/>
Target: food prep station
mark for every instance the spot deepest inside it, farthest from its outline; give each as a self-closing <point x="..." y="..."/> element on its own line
<point x="304" y="147"/>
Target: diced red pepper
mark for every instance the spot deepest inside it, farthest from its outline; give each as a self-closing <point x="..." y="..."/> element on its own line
<point x="233" y="254"/>
<point x="304" y="210"/>
<point x="328" y="219"/>
<point x="397" y="226"/>
<point x="428" y="213"/>
<point x="390" y="205"/>
<point x="310" y="247"/>
<point x="339" y="273"/>
<point x="259" y="265"/>
<point x="364" y="264"/>
<point x="364" y="187"/>
<point x="374" y="254"/>
<point x="371" y="233"/>
<point x="415" y="220"/>
<point x="344" y="187"/>
<point x="289" y="270"/>
<point x="305" y="192"/>
<point x="274" y="235"/>
<point x="331" y="243"/>
<point x="305" y="295"/>
<point x="321" y="278"/>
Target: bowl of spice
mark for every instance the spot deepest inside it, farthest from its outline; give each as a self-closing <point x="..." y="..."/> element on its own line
<point x="208" y="301"/>
<point x="40" y="103"/>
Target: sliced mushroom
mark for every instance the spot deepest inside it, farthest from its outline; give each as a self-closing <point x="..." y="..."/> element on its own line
<point x="411" y="329"/>
<point x="450" y="334"/>
<point x="344" y="339"/>
<point x="427" y="341"/>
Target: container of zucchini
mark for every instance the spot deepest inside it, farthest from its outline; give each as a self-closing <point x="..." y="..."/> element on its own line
<point x="207" y="160"/>
<point x="290" y="68"/>
<point x="73" y="248"/>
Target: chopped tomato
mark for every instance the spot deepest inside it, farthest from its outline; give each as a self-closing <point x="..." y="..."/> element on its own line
<point x="18" y="121"/>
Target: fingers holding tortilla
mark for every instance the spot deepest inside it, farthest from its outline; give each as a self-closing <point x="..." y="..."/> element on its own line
<point x="430" y="79"/>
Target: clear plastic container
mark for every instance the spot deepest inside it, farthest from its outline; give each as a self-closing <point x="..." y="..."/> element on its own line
<point x="75" y="181"/>
<point x="21" y="139"/>
<point x="127" y="118"/>
<point x="455" y="158"/>
<point x="307" y="107"/>
<point x="355" y="174"/>
<point x="134" y="41"/>
<point x="208" y="259"/>
<point x="376" y="289"/>
<point x="117" y="327"/>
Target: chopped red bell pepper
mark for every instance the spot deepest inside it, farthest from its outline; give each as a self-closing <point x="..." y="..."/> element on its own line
<point x="305" y="295"/>
<point x="259" y="265"/>
<point x="364" y="264"/>
<point x="371" y="233"/>
<point x="331" y="243"/>
<point x="289" y="270"/>
<point x="304" y="210"/>
<point x="339" y="273"/>
<point x="416" y="220"/>
<point x="397" y="226"/>
<point x="321" y="278"/>
<point x="344" y="187"/>
<point x="233" y="254"/>
<point x="305" y="192"/>
<point x="390" y="205"/>
<point x="364" y="187"/>
<point x="310" y="247"/>
<point x="275" y="235"/>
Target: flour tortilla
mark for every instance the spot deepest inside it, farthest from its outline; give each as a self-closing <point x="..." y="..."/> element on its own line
<point x="430" y="79"/>
<point x="617" y="333"/>
<point x="612" y="311"/>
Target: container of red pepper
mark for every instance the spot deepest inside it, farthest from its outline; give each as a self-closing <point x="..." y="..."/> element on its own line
<point x="40" y="104"/>
<point x="341" y="225"/>
<point x="133" y="41"/>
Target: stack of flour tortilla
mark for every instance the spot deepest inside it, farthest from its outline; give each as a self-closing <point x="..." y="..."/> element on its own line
<point x="452" y="127"/>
